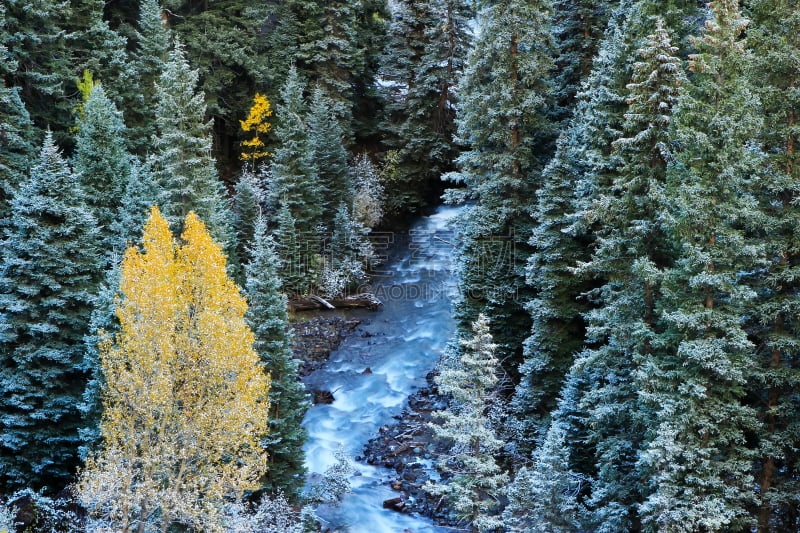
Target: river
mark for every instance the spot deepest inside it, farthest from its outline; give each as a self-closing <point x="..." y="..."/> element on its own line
<point x="377" y="367"/>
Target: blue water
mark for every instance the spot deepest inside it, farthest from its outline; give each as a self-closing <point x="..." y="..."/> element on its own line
<point x="400" y="344"/>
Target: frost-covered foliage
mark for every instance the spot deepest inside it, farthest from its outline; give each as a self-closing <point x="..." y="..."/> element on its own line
<point x="475" y="479"/>
<point x="272" y="514"/>
<point x="267" y="316"/>
<point x="49" y="271"/>
<point x="180" y="372"/>
<point x="49" y="515"/>
<point x="335" y="481"/>
<point x="369" y="192"/>
<point x="7" y="518"/>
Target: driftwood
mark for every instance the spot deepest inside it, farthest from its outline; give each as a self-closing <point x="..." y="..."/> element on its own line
<point x="364" y="300"/>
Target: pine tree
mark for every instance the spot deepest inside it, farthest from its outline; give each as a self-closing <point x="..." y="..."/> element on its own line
<point x="246" y="212"/>
<point x="425" y="56"/>
<point x="578" y="28"/>
<point x="504" y="105"/>
<point x="50" y="271"/>
<point x="561" y="237"/>
<point x="699" y="460"/>
<point x="542" y="499"/>
<point x="476" y="477"/>
<point x="293" y="253"/>
<point x="325" y="142"/>
<point x="288" y="399"/>
<point x="16" y="149"/>
<point x="141" y="193"/>
<point x="180" y="373"/>
<point x="182" y="162"/>
<point x="294" y="175"/>
<point x="775" y="74"/>
<point x="149" y="59"/>
<point x="103" y="164"/>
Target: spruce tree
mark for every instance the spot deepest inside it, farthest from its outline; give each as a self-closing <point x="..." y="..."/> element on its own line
<point x="775" y="74"/>
<point x="148" y="60"/>
<point x="293" y="255"/>
<point x="578" y="28"/>
<point x="699" y="460"/>
<point x="503" y="122"/>
<point x="562" y="238"/>
<point x="102" y="162"/>
<point x="475" y="477"/>
<point x="294" y="175"/>
<point x="181" y="161"/>
<point x="325" y="142"/>
<point x="246" y="212"/>
<point x="15" y="128"/>
<point x="631" y="252"/>
<point x="267" y="316"/>
<point x="50" y="272"/>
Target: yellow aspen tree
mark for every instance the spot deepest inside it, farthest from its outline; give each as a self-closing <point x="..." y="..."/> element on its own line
<point x="256" y="122"/>
<point x="185" y="405"/>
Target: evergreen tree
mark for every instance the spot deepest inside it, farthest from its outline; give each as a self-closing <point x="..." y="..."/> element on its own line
<point x="140" y="194"/>
<point x="561" y="239"/>
<point x="630" y="254"/>
<point x="288" y="399"/>
<point x="50" y="271"/>
<point x="15" y="128"/>
<point x="475" y="476"/>
<point x="102" y="162"/>
<point x="578" y="28"/>
<point x="149" y="59"/>
<point x="699" y="460"/>
<point x="246" y="212"/>
<point x="543" y="499"/>
<point x="294" y="175"/>
<point x="776" y="41"/>
<point x="293" y="254"/>
<point x="182" y="162"/>
<point x="425" y="56"/>
<point x="504" y="105"/>
<point x="325" y="142"/>
<point x="34" y="38"/>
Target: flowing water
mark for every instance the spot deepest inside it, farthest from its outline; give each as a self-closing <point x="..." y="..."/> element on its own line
<point x="375" y="370"/>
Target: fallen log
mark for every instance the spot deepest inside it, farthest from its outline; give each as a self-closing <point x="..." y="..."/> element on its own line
<point x="364" y="300"/>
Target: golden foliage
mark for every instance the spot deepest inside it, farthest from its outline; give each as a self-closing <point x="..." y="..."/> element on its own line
<point x="185" y="406"/>
<point x="256" y="122"/>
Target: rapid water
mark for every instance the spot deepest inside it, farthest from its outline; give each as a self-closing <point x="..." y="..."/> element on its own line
<point x="399" y="344"/>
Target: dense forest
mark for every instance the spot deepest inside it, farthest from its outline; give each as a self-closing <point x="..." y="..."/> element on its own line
<point x="173" y="173"/>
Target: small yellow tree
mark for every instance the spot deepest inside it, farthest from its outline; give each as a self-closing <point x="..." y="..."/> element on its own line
<point x="253" y="148"/>
<point x="185" y="405"/>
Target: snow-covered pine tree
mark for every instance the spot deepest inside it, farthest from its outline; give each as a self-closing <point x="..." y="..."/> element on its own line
<point x="293" y="253"/>
<point x="294" y="175"/>
<point x="561" y="238"/>
<point x="505" y="101"/>
<point x="50" y="271"/>
<point x="327" y="149"/>
<point x="775" y="37"/>
<point x="475" y="478"/>
<point x="148" y="60"/>
<point x="267" y="317"/>
<point x="700" y="460"/>
<point x="181" y="159"/>
<point x="103" y="165"/>
<point x="630" y="254"/>
<point x="543" y="498"/>
<point x="247" y="199"/>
